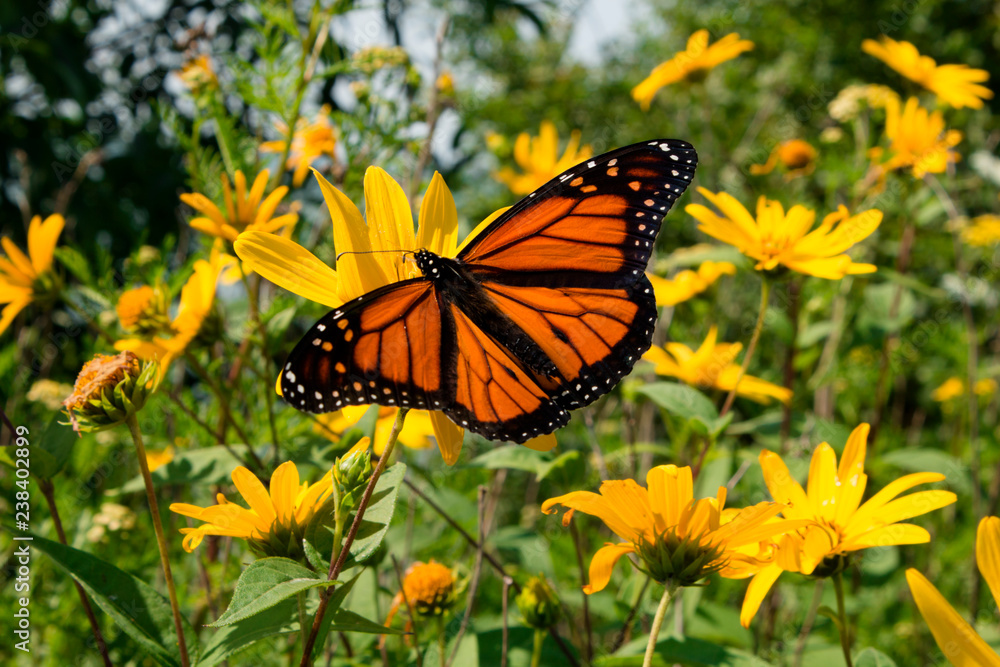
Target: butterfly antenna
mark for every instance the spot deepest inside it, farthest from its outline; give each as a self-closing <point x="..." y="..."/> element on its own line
<point x="370" y="252"/>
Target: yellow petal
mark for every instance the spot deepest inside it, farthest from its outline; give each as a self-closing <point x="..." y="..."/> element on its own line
<point x="42" y="239"/>
<point x="542" y="443"/>
<point x="390" y="221"/>
<point x="897" y="533"/>
<point x="822" y="488"/>
<point x="10" y="311"/>
<point x="631" y="503"/>
<point x="594" y="505"/>
<point x="956" y="638"/>
<point x="284" y="490"/>
<point x="255" y="494"/>
<point x="783" y="488"/>
<point x="988" y="553"/>
<point x="18" y="259"/>
<point x="449" y="436"/>
<point x="757" y="591"/>
<point x="289" y="265"/>
<point x="438" y="225"/>
<point x="602" y="565"/>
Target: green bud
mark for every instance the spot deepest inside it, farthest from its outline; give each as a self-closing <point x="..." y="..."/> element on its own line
<point x="539" y="604"/>
<point x="109" y="390"/>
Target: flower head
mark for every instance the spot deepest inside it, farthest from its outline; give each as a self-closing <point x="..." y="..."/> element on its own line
<point x="429" y="589"/>
<point x="687" y="283"/>
<point x="917" y="139"/>
<point x="959" y="642"/>
<point x="29" y="278"/>
<point x="143" y="310"/>
<point x="310" y="141"/>
<point x="539" y="604"/>
<point x="956" y="85"/>
<point x="247" y="210"/>
<point x="198" y="74"/>
<point x="712" y="365"/>
<point x="108" y="390"/>
<point x="847" y="104"/>
<point x="838" y="523"/>
<point x="984" y="230"/>
<point x="538" y="158"/>
<point x="796" y="157"/>
<point x="954" y="387"/>
<point x="276" y="521"/>
<point x="677" y="538"/>
<point x="692" y="63"/>
<point x="389" y="227"/>
<point x="778" y="238"/>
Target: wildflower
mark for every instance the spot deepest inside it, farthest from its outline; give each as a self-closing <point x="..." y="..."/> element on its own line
<point x="276" y="521"/>
<point x="389" y="227"/>
<point x="539" y="604"/>
<point x="688" y="283"/>
<point x="159" y="458"/>
<point x="429" y="589"/>
<point x="691" y="64"/>
<point x="143" y="310"/>
<point x="955" y="85"/>
<point x="49" y="393"/>
<point x="538" y="158"/>
<point x="959" y="642"/>
<point x="112" y="517"/>
<point x="838" y="523"/>
<point x="418" y="429"/>
<point x="197" y="297"/>
<point x="796" y="156"/>
<point x="954" y="387"/>
<point x="244" y="212"/>
<point x="712" y="366"/>
<point x="29" y="278"/>
<point x="847" y="104"/>
<point x="775" y="238"/>
<point x="108" y="390"/>
<point x="678" y="539"/>
<point x="445" y="84"/>
<point x="198" y="74"/>
<point x="984" y="230"/>
<point x="310" y="141"/>
<point x="917" y="139"/>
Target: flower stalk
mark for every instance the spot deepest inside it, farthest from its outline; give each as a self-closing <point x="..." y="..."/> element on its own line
<point x="845" y="631"/>
<point x="765" y="292"/>
<point x="654" y="632"/>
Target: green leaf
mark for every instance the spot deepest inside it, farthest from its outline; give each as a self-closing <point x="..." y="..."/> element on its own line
<point x="569" y="464"/>
<point x="871" y="657"/>
<point x="264" y="584"/>
<point x="141" y="612"/>
<point x="56" y="442"/>
<point x="74" y="261"/>
<point x="681" y="400"/>
<point x="513" y="457"/>
<point x="378" y="515"/>
<point x="205" y="467"/>
<point x="924" y="459"/>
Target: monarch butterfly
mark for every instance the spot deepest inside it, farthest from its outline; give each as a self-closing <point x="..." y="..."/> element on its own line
<point x="543" y="311"/>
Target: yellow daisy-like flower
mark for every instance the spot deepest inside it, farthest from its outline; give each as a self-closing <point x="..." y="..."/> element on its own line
<point x="839" y="523"/>
<point x="687" y="283"/>
<point x="428" y="588"/>
<point x="954" y="387"/>
<point x="418" y="429"/>
<point x="778" y="238"/>
<point x="197" y="297"/>
<point x="246" y="211"/>
<point x="712" y="366"/>
<point x="958" y="641"/>
<point x="275" y="521"/>
<point x="692" y="63"/>
<point x="956" y="85"/>
<point x="311" y="141"/>
<point x="917" y="139"/>
<point x="28" y="278"/>
<point x="538" y="158"/>
<point x="678" y="539"/>
<point x="198" y="74"/>
<point x="389" y="228"/>
<point x="984" y="230"/>
<point x="797" y="158"/>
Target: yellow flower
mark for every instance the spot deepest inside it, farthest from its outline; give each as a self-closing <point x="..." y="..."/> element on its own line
<point x="838" y="523"/>
<point x="847" y="104"/>
<point x="538" y="158"/>
<point x="143" y="310"/>
<point x="389" y="227"/>
<point x="984" y="230"/>
<point x="311" y="141"/>
<point x="796" y="156"/>
<point x="198" y="74"/>
<point x="688" y="283"/>
<point x="276" y="520"/>
<point x="418" y="429"/>
<point x="159" y="458"/>
<point x="109" y="390"/>
<point x="445" y="84"/>
<point x="428" y="588"/>
<point x="244" y="212"/>
<point x="28" y="278"/>
<point x="953" y="388"/>
<point x="776" y="238"/>
<point x="955" y="85"/>
<point x="917" y="139"/>
<point x="712" y="366"/>
<point x="959" y="642"/>
<point x="677" y="538"/>
<point x="197" y="297"/>
<point x="692" y="63"/>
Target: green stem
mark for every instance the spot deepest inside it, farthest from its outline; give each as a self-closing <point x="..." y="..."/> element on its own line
<point x="442" y="642"/>
<point x="337" y="564"/>
<point x="302" y="617"/>
<point x="161" y="541"/>
<point x="536" y="650"/>
<point x="845" y="631"/>
<point x="254" y="300"/>
<point x="765" y="292"/>
<point x="654" y="632"/>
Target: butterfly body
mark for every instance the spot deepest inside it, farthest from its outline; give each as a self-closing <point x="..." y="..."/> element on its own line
<point x="542" y="312"/>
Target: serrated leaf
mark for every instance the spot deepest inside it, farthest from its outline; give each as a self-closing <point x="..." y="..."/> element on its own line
<point x="378" y="515"/>
<point x="681" y="400"/>
<point x="264" y="584"/>
<point x="141" y="612"/>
